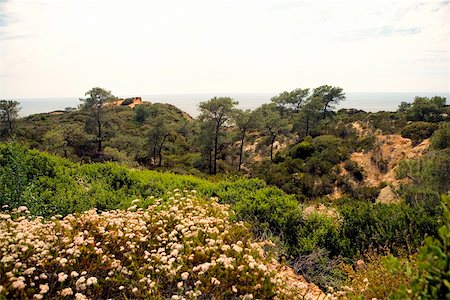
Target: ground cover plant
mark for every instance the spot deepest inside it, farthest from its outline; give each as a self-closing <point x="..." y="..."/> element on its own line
<point x="180" y="247"/>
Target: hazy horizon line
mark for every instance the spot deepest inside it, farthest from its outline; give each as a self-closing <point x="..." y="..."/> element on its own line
<point x="223" y="93"/>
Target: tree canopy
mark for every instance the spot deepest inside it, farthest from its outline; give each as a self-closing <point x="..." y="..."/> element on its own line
<point x="96" y="100"/>
<point x="328" y="96"/>
<point x="218" y="111"/>
<point x="9" y="111"/>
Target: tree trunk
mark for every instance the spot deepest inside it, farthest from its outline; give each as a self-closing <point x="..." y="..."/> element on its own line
<point x="307" y="126"/>
<point x="9" y="121"/>
<point x="99" y="135"/>
<point x="325" y="109"/>
<point x="241" y="150"/>
<point x="272" y="140"/>
<point x="216" y="146"/>
<point x="210" y="162"/>
<point x="160" y="150"/>
<point x="155" y="145"/>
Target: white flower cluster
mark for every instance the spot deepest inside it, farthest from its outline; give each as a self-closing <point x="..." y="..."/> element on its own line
<point x="181" y="247"/>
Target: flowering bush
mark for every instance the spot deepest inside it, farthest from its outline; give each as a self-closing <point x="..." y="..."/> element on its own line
<point x="179" y="247"/>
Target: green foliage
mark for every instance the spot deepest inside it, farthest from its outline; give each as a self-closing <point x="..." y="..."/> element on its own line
<point x="245" y="121"/>
<point x="434" y="261"/>
<point x="50" y="185"/>
<point x="302" y="150"/>
<point x="418" y="131"/>
<point x="273" y="124"/>
<point x="354" y="170"/>
<point x="215" y="114"/>
<point x="65" y="134"/>
<point x="431" y="172"/>
<point x="319" y="268"/>
<point x="330" y="148"/>
<point x="306" y="121"/>
<point x="387" y="122"/>
<point x="9" y="110"/>
<point x="290" y="102"/>
<point x="392" y="226"/>
<point x="426" y="109"/>
<point x="13" y="175"/>
<point x="328" y="96"/>
<point x="379" y="276"/>
<point x="441" y="137"/>
<point x="97" y="97"/>
<point x="309" y="169"/>
<point x="141" y="114"/>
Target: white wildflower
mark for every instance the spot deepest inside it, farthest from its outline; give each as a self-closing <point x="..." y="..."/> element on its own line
<point x="184" y="275"/>
<point x="62" y="277"/>
<point x="66" y="292"/>
<point x="43" y="288"/>
<point x="91" y="281"/>
<point x="74" y="274"/>
<point x="80" y="296"/>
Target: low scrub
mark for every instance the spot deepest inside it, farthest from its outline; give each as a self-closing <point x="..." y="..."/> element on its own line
<point x="180" y="247"/>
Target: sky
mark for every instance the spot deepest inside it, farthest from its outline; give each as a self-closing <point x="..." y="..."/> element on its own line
<point x="54" y="48"/>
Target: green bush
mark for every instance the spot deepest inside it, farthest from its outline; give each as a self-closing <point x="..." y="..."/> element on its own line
<point x="418" y="131"/>
<point x="302" y="150"/>
<point x="430" y="172"/>
<point x="434" y="261"/>
<point x="397" y="227"/>
<point x="13" y="175"/>
<point x="427" y="109"/>
<point x="441" y="137"/>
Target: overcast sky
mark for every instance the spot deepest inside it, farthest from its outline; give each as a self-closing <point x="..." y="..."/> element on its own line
<point x="63" y="48"/>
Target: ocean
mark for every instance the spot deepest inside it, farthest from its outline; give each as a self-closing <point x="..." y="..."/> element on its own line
<point x="371" y="102"/>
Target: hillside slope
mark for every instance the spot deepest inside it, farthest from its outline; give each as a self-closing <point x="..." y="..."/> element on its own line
<point x="379" y="164"/>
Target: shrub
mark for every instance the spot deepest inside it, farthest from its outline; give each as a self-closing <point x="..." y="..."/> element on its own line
<point x="302" y="150"/>
<point x="319" y="268"/>
<point x="397" y="227"/>
<point x="427" y="109"/>
<point x="13" y="175"/>
<point x="418" y="131"/>
<point x="434" y="258"/>
<point x="441" y="137"/>
<point x="354" y="169"/>
<point x="430" y="172"/>
<point x="379" y="277"/>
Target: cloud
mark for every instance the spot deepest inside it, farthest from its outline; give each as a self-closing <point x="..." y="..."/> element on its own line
<point x="3" y="19"/>
<point x="7" y="19"/>
<point x="378" y="32"/>
<point x="6" y="37"/>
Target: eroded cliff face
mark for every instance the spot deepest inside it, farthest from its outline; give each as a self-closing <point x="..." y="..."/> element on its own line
<point x="379" y="165"/>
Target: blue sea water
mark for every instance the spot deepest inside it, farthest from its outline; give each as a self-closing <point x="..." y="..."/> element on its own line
<point x="371" y="102"/>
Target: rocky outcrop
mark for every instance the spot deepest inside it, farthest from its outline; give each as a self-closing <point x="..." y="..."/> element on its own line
<point x="130" y="102"/>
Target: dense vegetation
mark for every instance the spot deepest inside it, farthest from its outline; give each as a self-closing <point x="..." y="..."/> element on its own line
<point x="49" y="185"/>
<point x="297" y="152"/>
